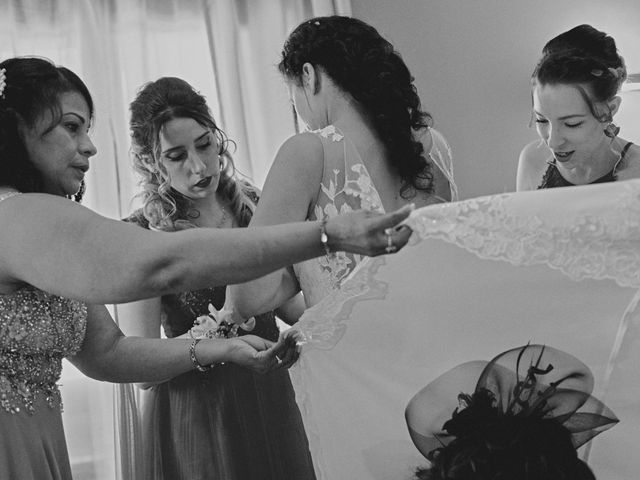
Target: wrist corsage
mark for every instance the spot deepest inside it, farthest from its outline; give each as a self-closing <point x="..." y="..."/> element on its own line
<point x="218" y="324"/>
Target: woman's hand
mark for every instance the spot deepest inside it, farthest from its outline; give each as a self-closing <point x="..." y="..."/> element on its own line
<point x="369" y="233"/>
<point x="261" y="355"/>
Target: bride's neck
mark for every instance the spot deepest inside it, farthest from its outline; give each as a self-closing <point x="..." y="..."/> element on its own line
<point x="349" y="117"/>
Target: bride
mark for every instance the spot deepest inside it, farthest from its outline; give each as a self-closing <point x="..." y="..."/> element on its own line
<point x="371" y="147"/>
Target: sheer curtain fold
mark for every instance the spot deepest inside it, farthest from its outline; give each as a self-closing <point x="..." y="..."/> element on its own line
<point x="226" y="49"/>
<point x="246" y="39"/>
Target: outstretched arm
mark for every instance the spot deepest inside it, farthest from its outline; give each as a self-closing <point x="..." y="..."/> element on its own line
<point x="68" y="250"/>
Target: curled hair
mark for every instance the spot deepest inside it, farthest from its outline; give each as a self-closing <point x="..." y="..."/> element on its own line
<point x="491" y="445"/>
<point x="365" y="65"/>
<point x="165" y="208"/>
<point x="32" y="91"/>
<point x="583" y="57"/>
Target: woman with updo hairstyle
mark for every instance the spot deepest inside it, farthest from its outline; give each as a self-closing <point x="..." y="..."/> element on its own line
<point x="370" y="146"/>
<point x="226" y="422"/>
<point x="575" y="89"/>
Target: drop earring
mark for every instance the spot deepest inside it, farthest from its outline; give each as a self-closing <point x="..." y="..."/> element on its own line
<point x="611" y="130"/>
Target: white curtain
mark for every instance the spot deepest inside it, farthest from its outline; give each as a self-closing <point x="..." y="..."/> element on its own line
<point x="228" y="50"/>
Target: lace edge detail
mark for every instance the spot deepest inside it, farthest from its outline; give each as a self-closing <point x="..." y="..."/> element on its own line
<point x="6" y="195"/>
<point x="523" y="241"/>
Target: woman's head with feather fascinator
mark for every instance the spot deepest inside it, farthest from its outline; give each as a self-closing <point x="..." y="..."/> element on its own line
<point x="530" y="410"/>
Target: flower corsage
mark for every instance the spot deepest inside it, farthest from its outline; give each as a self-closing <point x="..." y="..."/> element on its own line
<point x="219" y="324"/>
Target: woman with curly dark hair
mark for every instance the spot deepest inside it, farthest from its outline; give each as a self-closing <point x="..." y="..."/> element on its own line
<point x="188" y="180"/>
<point x="575" y="97"/>
<point x="370" y="146"/>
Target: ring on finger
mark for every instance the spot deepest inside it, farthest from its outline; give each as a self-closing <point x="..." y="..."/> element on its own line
<point x="390" y="246"/>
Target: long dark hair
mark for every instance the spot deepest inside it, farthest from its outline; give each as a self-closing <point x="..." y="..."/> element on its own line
<point x="583" y="56"/>
<point x="164" y="208"/>
<point x="33" y="88"/>
<point x="365" y="65"/>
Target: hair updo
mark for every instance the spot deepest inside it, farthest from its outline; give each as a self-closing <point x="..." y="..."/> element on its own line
<point x="365" y="65"/>
<point x="583" y="56"/>
<point x="501" y="446"/>
<point x="32" y="91"/>
<point x="164" y="207"/>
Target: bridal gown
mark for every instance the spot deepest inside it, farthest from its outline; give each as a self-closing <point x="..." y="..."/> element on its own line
<point x="559" y="267"/>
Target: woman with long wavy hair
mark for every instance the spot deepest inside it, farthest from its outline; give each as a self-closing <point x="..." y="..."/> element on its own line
<point x="226" y="422"/>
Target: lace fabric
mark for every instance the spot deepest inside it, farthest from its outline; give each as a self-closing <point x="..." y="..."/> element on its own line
<point x="556" y="267"/>
<point x="347" y="186"/>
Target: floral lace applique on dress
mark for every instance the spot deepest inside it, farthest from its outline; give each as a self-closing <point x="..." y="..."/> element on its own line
<point x="346" y="186"/>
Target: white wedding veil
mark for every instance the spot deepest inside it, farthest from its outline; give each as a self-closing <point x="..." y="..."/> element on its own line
<point x="558" y="267"/>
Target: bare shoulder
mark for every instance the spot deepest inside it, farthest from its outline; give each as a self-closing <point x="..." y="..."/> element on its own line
<point x="292" y="182"/>
<point x="532" y="164"/>
<point x="301" y="149"/>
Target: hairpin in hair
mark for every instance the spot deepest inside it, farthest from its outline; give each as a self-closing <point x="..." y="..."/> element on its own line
<point x="616" y="72"/>
<point x="555" y="386"/>
<point x="3" y="81"/>
<point x="597" y="73"/>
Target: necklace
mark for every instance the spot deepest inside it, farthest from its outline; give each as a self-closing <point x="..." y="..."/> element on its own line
<point x="223" y="219"/>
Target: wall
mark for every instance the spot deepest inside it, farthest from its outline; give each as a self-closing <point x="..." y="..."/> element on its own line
<point x="473" y="59"/>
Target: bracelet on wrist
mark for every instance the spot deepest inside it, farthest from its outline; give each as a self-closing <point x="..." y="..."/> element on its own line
<point x="194" y="360"/>
<point x="324" y="238"/>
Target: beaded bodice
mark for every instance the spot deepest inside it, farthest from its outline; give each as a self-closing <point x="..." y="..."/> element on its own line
<point x="37" y="330"/>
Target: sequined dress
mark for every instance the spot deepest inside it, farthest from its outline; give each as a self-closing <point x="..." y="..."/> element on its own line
<point x="227" y="424"/>
<point x="37" y="330"/>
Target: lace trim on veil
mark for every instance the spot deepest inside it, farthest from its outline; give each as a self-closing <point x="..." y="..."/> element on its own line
<point x="586" y="246"/>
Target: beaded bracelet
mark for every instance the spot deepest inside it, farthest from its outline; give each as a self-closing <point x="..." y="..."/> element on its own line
<point x="324" y="238"/>
<point x="196" y="364"/>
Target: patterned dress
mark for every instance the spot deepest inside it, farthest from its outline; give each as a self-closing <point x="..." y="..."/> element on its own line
<point x="37" y="330"/>
<point x="347" y="186"/>
<point x="228" y="423"/>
